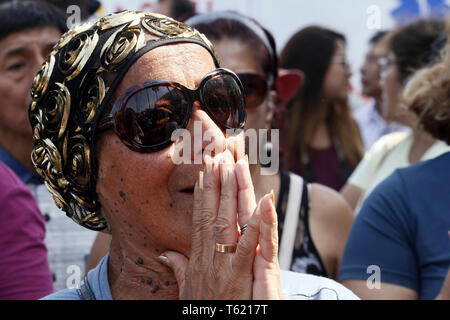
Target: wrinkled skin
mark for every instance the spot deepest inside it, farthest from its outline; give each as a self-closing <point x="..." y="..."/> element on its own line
<point x="163" y="238"/>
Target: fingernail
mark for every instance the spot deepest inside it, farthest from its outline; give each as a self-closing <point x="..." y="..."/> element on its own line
<point x="164" y="260"/>
<point x="246" y="158"/>
<point x="272" y="196"/>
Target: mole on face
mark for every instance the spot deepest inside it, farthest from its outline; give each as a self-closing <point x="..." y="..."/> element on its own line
<point x="122" y="195"/>
<point x="155" y="289"/>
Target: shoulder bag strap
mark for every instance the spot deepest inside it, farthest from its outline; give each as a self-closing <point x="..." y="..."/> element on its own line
<point x="290" y="221"/>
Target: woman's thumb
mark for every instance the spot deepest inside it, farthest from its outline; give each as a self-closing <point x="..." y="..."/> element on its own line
<point x="178" y="263"/>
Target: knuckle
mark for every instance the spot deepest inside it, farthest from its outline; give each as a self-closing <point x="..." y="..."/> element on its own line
<point x="221" y="226"/>
<point x="208" y="185"/>
<point x="208" y="214"/>
<point x="203" y="221"/>
<point x="226" y="196"/>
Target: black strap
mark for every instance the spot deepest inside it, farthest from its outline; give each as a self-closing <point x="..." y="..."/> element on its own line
<point x="85" y="292"/>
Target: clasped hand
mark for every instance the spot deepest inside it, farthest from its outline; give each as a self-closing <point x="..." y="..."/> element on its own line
<point x="225" y="263"/>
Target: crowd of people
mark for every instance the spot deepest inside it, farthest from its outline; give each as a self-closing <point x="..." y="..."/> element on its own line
<point x="357" y="210"/>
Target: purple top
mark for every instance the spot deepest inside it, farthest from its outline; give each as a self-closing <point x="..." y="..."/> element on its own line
<point x="326" y="167"/>
<point x="24" y="270"/>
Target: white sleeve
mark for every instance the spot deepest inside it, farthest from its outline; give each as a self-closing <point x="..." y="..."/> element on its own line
<point x="363" y="174"/>
<point x="299" y="286"/>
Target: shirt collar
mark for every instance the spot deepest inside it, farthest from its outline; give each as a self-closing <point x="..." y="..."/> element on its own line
<point x="26" y="175"/>
<point x="375" y="116"/>
<point x="98" y="280"/>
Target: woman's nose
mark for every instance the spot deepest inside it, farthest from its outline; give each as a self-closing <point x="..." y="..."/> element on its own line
<point x="206" y="136"/>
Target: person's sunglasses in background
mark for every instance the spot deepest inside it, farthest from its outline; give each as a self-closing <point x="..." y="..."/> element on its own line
<point x="255" y="89"/>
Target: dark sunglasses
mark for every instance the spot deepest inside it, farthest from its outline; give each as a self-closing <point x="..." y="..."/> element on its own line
<point x="255" y="89"/>
<point x="145" y="117"/>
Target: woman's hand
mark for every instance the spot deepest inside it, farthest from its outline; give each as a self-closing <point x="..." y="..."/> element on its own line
<point x="224" y="202"/>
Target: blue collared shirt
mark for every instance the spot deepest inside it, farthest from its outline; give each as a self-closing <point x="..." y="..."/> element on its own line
<point x="295" y="286"/>
<point x="25" y="174"/>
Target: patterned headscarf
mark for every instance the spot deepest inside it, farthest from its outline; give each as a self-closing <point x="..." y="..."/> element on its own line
<point x="71" y="92"/>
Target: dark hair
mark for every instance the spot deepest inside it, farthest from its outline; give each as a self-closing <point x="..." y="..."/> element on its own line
<point x="377" y="36"/>
<point x="181" y="10"/>
<point x="88" y="7"/>
<point x="230" y="24"/>
<point x="20" y="15"/>
<point x="412" y="45"/>
<point x="311" y="50"/>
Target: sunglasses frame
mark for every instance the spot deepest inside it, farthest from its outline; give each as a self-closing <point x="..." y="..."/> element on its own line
<point x="261" y="78"/>
<point x="113" y="118"/>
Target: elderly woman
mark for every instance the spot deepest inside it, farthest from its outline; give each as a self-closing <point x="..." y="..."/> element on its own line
<point x="312" y="232"/>
<point x="106" y="108"/>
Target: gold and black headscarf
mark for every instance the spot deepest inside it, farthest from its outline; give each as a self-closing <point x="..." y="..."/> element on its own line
<point x="71" y="91"/>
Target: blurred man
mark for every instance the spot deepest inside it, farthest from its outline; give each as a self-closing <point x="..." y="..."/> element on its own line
<point x="177" y="9"/>
<point x="28" y="31"/>
<point x="87" y="7"/>
<point x="371" y="123"/>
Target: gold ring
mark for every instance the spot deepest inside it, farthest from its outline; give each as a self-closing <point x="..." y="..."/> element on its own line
<point x="226" y="248"/>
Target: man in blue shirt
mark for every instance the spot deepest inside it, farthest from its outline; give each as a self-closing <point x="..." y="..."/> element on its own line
<point x="28" y="31"/>
<point x="372" y="123"/>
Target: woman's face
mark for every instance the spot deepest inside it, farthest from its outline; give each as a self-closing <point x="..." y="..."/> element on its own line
<point x="146" y="197"/>
<point x="336" y="81"/>
<point x="238" y="57"/>
<point x="392" y="90"/>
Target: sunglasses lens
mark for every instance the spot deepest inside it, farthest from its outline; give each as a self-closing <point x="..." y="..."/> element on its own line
<point x="223" y="98"/>
<point x="255" y="89"/>
<point x="151" y="115"/>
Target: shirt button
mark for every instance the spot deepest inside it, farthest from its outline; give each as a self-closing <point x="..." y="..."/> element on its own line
<point x="46" y="217"/>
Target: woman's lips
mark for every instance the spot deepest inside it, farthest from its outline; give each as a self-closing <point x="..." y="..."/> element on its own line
<point x="188" y="190"/>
